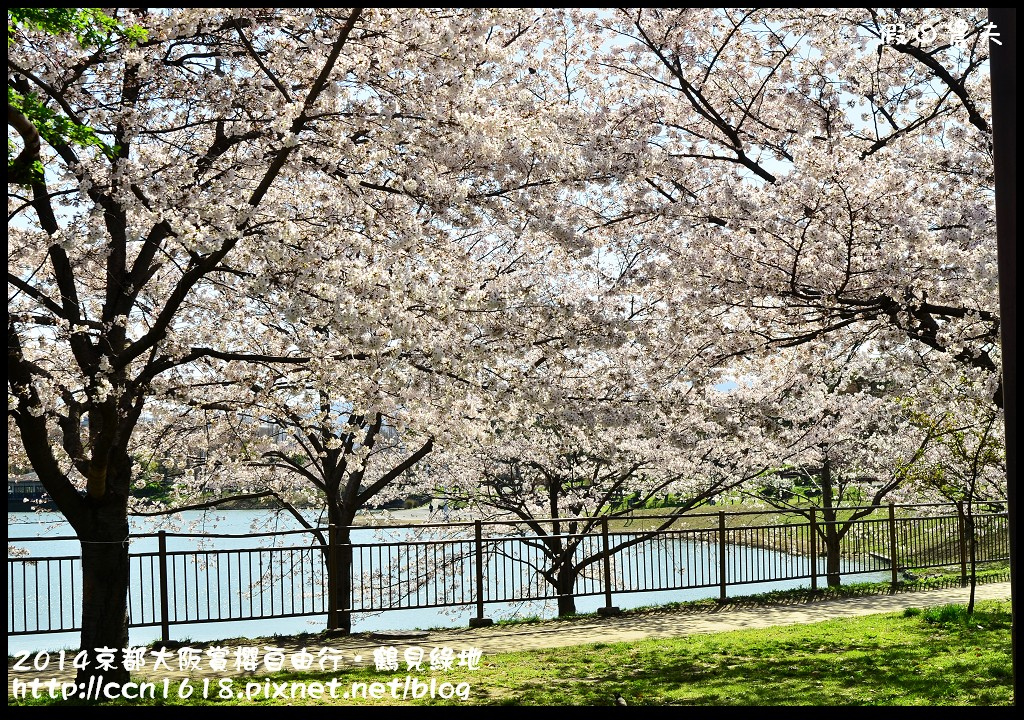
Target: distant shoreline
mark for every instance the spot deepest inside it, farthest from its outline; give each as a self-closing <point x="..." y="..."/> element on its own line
<point x="419" y="515"/>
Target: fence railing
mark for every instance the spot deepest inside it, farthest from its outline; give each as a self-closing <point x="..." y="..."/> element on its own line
<point x="483" y="563"/>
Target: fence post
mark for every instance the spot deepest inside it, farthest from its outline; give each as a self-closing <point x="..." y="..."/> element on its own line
<point x="961" y="524"/>
<point x="332" y="577"/>
<point x="479" y="620"/>
<point x="721" y="557"/>
<point x="165" y="613"/>
<point x="814" y="550"/>
<point x="608" y="608"/>
<point x="893" y="552"/>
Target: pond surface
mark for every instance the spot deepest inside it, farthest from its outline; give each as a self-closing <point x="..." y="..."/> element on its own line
<point x="650" y="564"/>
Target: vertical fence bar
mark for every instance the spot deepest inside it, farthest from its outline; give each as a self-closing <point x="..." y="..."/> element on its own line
<point x="893" y="562"/>
<point x="721" y="556"/>
<point x="608" y="608"/>
<point x="813" y="540"/>
<point x="478" y="541"/>
<point x="60" y="590"/>
<point x="165" y="619"/>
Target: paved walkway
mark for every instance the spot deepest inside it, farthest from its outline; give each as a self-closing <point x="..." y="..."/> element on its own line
<point x="358" y="649"/>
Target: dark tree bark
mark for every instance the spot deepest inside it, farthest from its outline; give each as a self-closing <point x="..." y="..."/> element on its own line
<point x="564" y="585"/>
<point x="89" y="297"/>
<point x="105" y="576"/>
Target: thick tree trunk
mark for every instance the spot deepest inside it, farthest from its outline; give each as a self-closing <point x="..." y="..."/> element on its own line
<point x="564" y="585"/>
<point x="105" y="579"/>
<point x="832" y="536"/>
<point x="832" y="564"/>
<point x="339" y="569"/>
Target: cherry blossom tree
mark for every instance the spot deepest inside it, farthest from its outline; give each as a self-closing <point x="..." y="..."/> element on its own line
<point x="542" y="235"/>
<point x="812" y="172"/>
<point x="117" y="250"/>
<point x="292" y="435"/>
<point x="764" y="154"/>
<point x="227" y="137"/>
<point x="853" y="443"/>
<point x="562" y="483"/>
<point x="966" y="465"/>
<point x="583" y="431"/>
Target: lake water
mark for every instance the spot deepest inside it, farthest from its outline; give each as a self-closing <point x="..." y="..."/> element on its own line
<point x="639" y="564"/>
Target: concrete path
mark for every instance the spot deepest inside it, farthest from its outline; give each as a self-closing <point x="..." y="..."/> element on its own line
<point x="358" y="650"/>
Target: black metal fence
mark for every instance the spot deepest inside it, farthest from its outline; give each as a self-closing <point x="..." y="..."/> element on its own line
<point x="482" y="563"/>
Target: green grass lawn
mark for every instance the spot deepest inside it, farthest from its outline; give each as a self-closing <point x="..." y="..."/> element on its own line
<point x="933" y="657"/>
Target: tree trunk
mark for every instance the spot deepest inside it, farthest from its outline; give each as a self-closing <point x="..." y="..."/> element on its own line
<point x="832" y="536"/>
<point x="339" y="572"/>
<point x="832" y="559"/>
<point x="344" y="580"/>
<point x="105" y="578"/>
<point x="564" y="585"/>
<point x="973" y="550"/>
